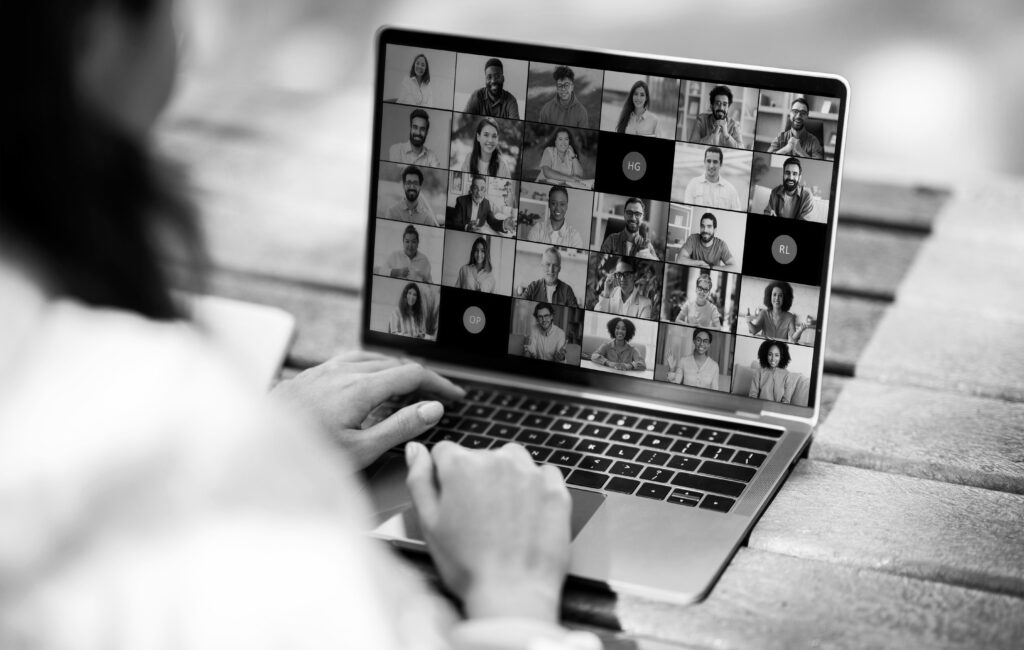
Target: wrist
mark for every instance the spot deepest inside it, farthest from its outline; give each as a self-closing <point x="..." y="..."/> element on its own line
<point x="514" y="596"/>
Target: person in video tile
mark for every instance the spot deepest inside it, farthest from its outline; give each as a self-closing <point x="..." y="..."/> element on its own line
<point x="564" y="108"/>
<point x="546" y="340"/>
<point x="493" y="100"/>
<point x="774" y="320"/>
<point x="622" y="295"/>
<point x="706" y="249"/>
<point x="791" y="200"/>
<point x="414" y="152"/>
<point x="770" y="381"/>
<point x="553" y="228"/>
<point x="618" y="353"/>
<point x="716" y="127"/>
<point x="473" y="210"/>
<point x="698" y="369"/>
<point x="413" y="207"/>
<point x="560" y="163"/>
<point x="409" y="263"/>
<point x="410" y="317"/>
<point x="416" y="87"/>
<point x="486" y="157"/>
<point x="477" y="274"/>
<point x="700" y="310"/>
<point x="711" y="189"/>
<point x="549" y="288"/>
<point x="796" y="140"/>
<point x="632" y="239"/>
<point x="636" y="117"/>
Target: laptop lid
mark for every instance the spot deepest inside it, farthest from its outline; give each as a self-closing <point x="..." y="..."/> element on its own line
<point x="658" y="228"/>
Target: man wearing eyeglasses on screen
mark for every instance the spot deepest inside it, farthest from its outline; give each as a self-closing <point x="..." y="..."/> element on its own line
<point x="564" y="109"/>
<point x="632" y="239"/>
<point x="797" y="140"/>
<point x="622" y="295"/>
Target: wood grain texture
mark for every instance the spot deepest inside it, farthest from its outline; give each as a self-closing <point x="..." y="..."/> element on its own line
<point x="870" y="261"/>
<point x="894" y="206"/>
<point x="852" y="321"/>
<point x="927" y="434"/>
<point x="955" y="534"/>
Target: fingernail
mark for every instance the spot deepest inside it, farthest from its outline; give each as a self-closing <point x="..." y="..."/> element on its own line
<point x="412" y="450"/>
<point x="430" y="412"/>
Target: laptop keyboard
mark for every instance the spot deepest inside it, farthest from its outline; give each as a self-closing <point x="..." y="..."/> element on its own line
<point x="688" y="464"/>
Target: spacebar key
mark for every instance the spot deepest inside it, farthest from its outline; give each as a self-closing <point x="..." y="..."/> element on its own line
<point x="584" y="478"/>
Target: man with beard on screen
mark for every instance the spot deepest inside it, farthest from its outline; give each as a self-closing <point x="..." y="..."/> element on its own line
<point x="493" y="100"/>
<point x="791" y="200"/>
<point x="796" y="140"/>
<point x="704" y="248"/>
<point x="632" y="239"/>
<point x="413" y="207"/>
<point x="717" y="127"/>
<point x="414" y="152"/>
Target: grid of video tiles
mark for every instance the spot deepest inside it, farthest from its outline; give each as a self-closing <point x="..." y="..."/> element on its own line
<point x="660" y="228"/>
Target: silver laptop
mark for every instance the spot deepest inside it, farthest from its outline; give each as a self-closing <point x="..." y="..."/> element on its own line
<point x="626" y="260"/>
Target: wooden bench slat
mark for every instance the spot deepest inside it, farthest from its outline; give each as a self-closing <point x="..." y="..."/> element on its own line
<point x="870" y="261"/>
<point x="956" y="534"/>
<point x="883" y="204"/>
<point x="852" y="321"/>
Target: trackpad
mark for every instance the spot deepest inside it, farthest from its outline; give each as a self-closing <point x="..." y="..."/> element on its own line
<point x="397" y="519"/>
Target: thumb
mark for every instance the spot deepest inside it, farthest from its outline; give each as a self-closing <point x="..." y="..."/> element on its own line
<point x="420" y="481"/>
<point x="404" y="424"/>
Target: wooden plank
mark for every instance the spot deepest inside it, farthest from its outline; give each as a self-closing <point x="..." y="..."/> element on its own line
<point x="988" y="211"/>
<point x="906" y="526"/>
<point x="927" y="434"/>
<point x="851" y="324"/>
<point x="870" y="261"/>
<point x="895" y="206"/>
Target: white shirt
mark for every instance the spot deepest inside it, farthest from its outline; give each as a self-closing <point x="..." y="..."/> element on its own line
<point x="720" y="194"/>
<point x="636" y="305"/>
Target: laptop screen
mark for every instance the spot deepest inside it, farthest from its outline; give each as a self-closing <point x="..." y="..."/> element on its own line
<point x="657" y="227"/>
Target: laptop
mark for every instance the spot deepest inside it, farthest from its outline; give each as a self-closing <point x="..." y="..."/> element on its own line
<point x="626" y="260"/>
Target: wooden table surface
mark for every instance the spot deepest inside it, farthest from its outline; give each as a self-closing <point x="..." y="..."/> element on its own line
<point x="905" y="525"/>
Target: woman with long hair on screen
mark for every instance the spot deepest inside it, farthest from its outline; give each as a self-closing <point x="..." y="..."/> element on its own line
<point x="636" y="117"/>
<point x="477" y="275"/>
<point x="560" y="161"/>
<point x="486" y="155"/>
<point x="773" y="319"/>
<point x="416" y="87"/>
<point x="772" y="381"/>
<point x="618" y="353"/>
<point x="137" y="458"/>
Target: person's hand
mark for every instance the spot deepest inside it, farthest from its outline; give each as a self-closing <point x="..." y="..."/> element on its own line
<point x="768" y="211"/>
<point x="609" y="284"/>
<point x="504" y="550"/>
<point x="560" y="355"/>
<point x="341" y="392"/>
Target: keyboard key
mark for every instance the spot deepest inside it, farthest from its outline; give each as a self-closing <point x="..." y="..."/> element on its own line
<point x="658" y="442"/>
<point x="721" y="504"/>
<point x="621" y="420"/>
<point x="445" y="434"/>
<point x="537" y="421"/>
<point x="595" y="430"/>
<point x="713" y="435"/>
<point x="448" y="421"/>
<point x="592" y="446"/>
<point x="587" y="479"/>
<point x="592" y="415"/>
<point x="620" y="484"/>
<point x="506" y="400"/>
<point x="626" y="469"/>
<point x="471" y="425"/>
<point x="562" y="441"/>
<point x="567" y="458"/>
<point x="750" y="442"/>
<point x="684" y="462"/>
<point x="622" y="451"/>
<point x="656" y="474"/>
<point x="650" y="424"/>
<point x="564" y="470"/>
<point x="653" y="491"/>
<point x="539" y="454"/>
<point x="476" y="442"/>
<point x="687" y="447"/>
<point x="653" y="457"/>
<point x="503" y="431"/>
<point x="532" y="437"/>
<point x="725" y="470"/>
<point x="510" y="417"/>
<point x="566" y="426"/>
<point x="717" y="453"/>
<point x="749" y="458"/>
<point x="535" y="405"/>
<point x="596" y="463"/>
<point x="682" y="430"/>
<point x="563" y="410"/>
<point x="685" y="497"/>
<point x="454" y="407"/>
<point x="479" y="411"/>
<point x="708" y="484"/>
<point x="478" y="395"/>
<point x="623" y="435"/>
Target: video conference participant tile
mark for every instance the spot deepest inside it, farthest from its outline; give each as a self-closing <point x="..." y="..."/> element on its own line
<point x="411" y="193"/>
<point x="716" y="114"/>
<point x="486" y="145"/>
<point x="407" y="251"/>
<point x="773" y="371"/>
<point x="560" y="155"/>
<point x="626" y="286"/>
<point x="491" y="86"/>
<point x="634" y="166"/>
<point x="793" y="124"/>
<point x="788" y="187"/>
<point x="564" y="95"/>
<point x="474" y="322"/>
<point x="784" y="249"/>
<point x="483" y="204"/>
<point x="695" y="356"/>
<point x="629" y="225"/>
<point x="419" y="77"/>
<point x="635" y="104"/>
<point x="415" y="136"/>
<point x="619" y="345"/>
<point x="404" y="308"/>
<point x="554" y="274"/>
<point x="478" y="262"/>
<point x="546" y="332"/>
<point x="699" y="297"/>
<point x="711" y="176"/>
<point x="555" y="215"/>
<point x="706" y="237"/>
<point x="777" y="309"/>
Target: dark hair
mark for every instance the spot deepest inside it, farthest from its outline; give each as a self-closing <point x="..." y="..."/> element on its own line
<point x="419" y="112"/>
<point x="494" y="63"/>
<point x="474" y="158"/>
<point x="543" y="305"/>
<point x="426" y="68"/>
<point x="81" y="195"/>
<point x="720" y="90"/>
<point x="412" y="170"/>
<point x="793" y="161"/>
<point x="698" y="331"/>
<point x="558" y="188"/>
<point x="762" y="353"/>
<point x="634" y="199"/>
<point x="572" y="139"/>
<point x="487" y="252"/>
<point x="416" y="311"/>
<point x="630" y="327"/>
<point x="478" y="177"/>
<point x="708" y="215"/>
<point x="802" y="100"/>
<point x="627" y="108"/>
<point x="411" y="230"/>
<point x="787" y="294"/>
<point x="564" y="72"/>
<point x="718" y="150"/>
